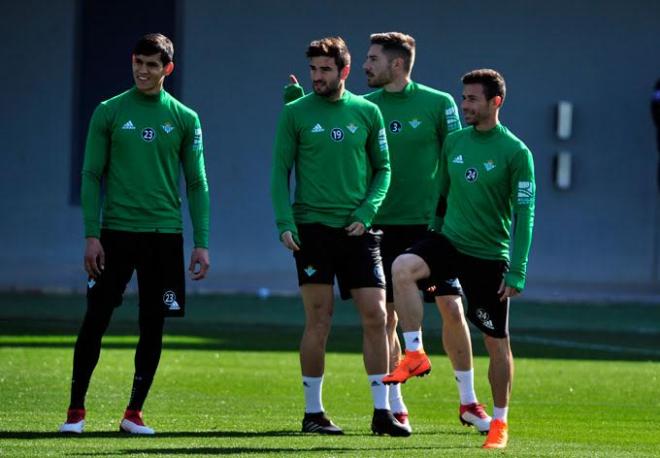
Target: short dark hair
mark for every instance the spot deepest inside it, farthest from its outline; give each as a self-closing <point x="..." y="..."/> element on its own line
<point x="330" y="47"/>
<point x="155" y="43"/>
<point x="492" y="82"/>
<point x="396" y="44"/>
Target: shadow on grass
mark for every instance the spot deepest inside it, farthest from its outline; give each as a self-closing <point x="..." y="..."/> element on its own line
<point x="36" y="435"/>
<point x="259" y="450"/>
<point x="245" y="323"/>
<point x="119" y="435"/>
<point x="526" y="342"/>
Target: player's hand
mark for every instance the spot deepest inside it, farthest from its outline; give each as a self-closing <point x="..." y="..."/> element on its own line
<point x="355" y="229"/>
<point x="293" y="79"/>
<point x="94" y="257"/>
<point x="506" y="292"/>
<point x="199" y="263"/>
<point x="287" y="238"/>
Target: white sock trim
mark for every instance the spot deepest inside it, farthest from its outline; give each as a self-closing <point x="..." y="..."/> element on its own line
<point x="465" y="383"/>
<point x="501" y="413"/>
<point x="413" y="340"/>
<point x="313" y="390"/>
<point x="396" y="399"/>
<point x="379" y="391"/>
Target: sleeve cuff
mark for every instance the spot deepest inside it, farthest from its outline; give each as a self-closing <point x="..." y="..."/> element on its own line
<point x="514" y="280"/>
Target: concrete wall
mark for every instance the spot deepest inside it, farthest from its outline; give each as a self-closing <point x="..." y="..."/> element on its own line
<point x="40" y="233"/>
<point x="235" y="57"/>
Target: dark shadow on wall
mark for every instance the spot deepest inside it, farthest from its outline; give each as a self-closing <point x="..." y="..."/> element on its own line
<point x="106" y="32"/>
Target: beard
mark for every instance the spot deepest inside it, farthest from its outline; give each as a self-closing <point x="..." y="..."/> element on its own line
<point x="328" y="89"/>
<point x="472" y="118"/>
<point x="379" y="80"/>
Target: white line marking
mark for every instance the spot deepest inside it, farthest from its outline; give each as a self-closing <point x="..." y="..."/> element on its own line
<point x="584" y="345"/>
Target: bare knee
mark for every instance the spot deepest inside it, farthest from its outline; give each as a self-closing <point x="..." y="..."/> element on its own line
<point x="408" y="268"/>
<point x="375" y="318"/>
<point x="318" y="319"/>
<point x="451" y="309"/>
<point x="498" y="348"/>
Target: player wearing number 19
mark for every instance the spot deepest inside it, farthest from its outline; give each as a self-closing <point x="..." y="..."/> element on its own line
<point x="137" y="143"/>
<point x="337" y="143"/>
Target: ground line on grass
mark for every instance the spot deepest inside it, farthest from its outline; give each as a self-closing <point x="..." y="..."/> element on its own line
<point x="584" y="345"/>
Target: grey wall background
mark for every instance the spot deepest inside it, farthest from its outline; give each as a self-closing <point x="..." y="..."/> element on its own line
<point x="234" y="58"/>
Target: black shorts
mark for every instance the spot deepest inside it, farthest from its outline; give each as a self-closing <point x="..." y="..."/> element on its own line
<point x="326" y="252"/>
<point x="396" y="240"/>
<point x="158" y="260"/>
<point x="480" y="278"/>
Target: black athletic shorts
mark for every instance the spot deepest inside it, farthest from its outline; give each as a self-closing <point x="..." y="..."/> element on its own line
<point x="326" y="252"/>
<point x="158" y="260"/>
<point x="396" y="240"/>
<point x="480" y="279"/>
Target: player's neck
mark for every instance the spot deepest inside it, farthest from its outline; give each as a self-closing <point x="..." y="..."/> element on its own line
<point x="153" y="91"/>
<point x="338" y="94"/>
<point x="488" y="124"/>
<point x="397" y="84"/>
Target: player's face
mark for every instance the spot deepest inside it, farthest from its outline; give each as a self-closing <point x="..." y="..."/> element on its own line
<point x="377" y="67"/>
<point x="148" y="73"/>
<point x="326" y="78"/>
<point x="476" y="108"/>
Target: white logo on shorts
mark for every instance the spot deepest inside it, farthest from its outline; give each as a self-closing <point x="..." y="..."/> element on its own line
<point x="484" y="317"/>
<point x="169" y="299"/>
<point x="379" y="273"/>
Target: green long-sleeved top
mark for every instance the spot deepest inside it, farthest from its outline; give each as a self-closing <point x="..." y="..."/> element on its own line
<point x="488" y="181"/>
<point x="138" y="144"/>
<point x="417" y="120"/>
<point x="342" y="170"/>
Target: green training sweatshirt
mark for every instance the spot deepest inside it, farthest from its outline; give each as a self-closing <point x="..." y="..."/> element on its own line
<point x="138" y="144"/>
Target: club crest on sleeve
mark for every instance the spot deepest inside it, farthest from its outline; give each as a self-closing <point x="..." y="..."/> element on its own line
<point x="525" y="192"/>
<point x="382" y="140"/>
<point x="197" y="138"/>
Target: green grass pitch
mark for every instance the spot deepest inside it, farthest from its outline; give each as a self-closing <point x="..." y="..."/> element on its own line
<point x="586" y="383"/>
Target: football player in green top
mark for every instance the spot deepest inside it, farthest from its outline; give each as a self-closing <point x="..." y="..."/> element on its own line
<point x="335" y="143"/>
<point x="137" y="143"/>
<point x="488" y="191"/>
